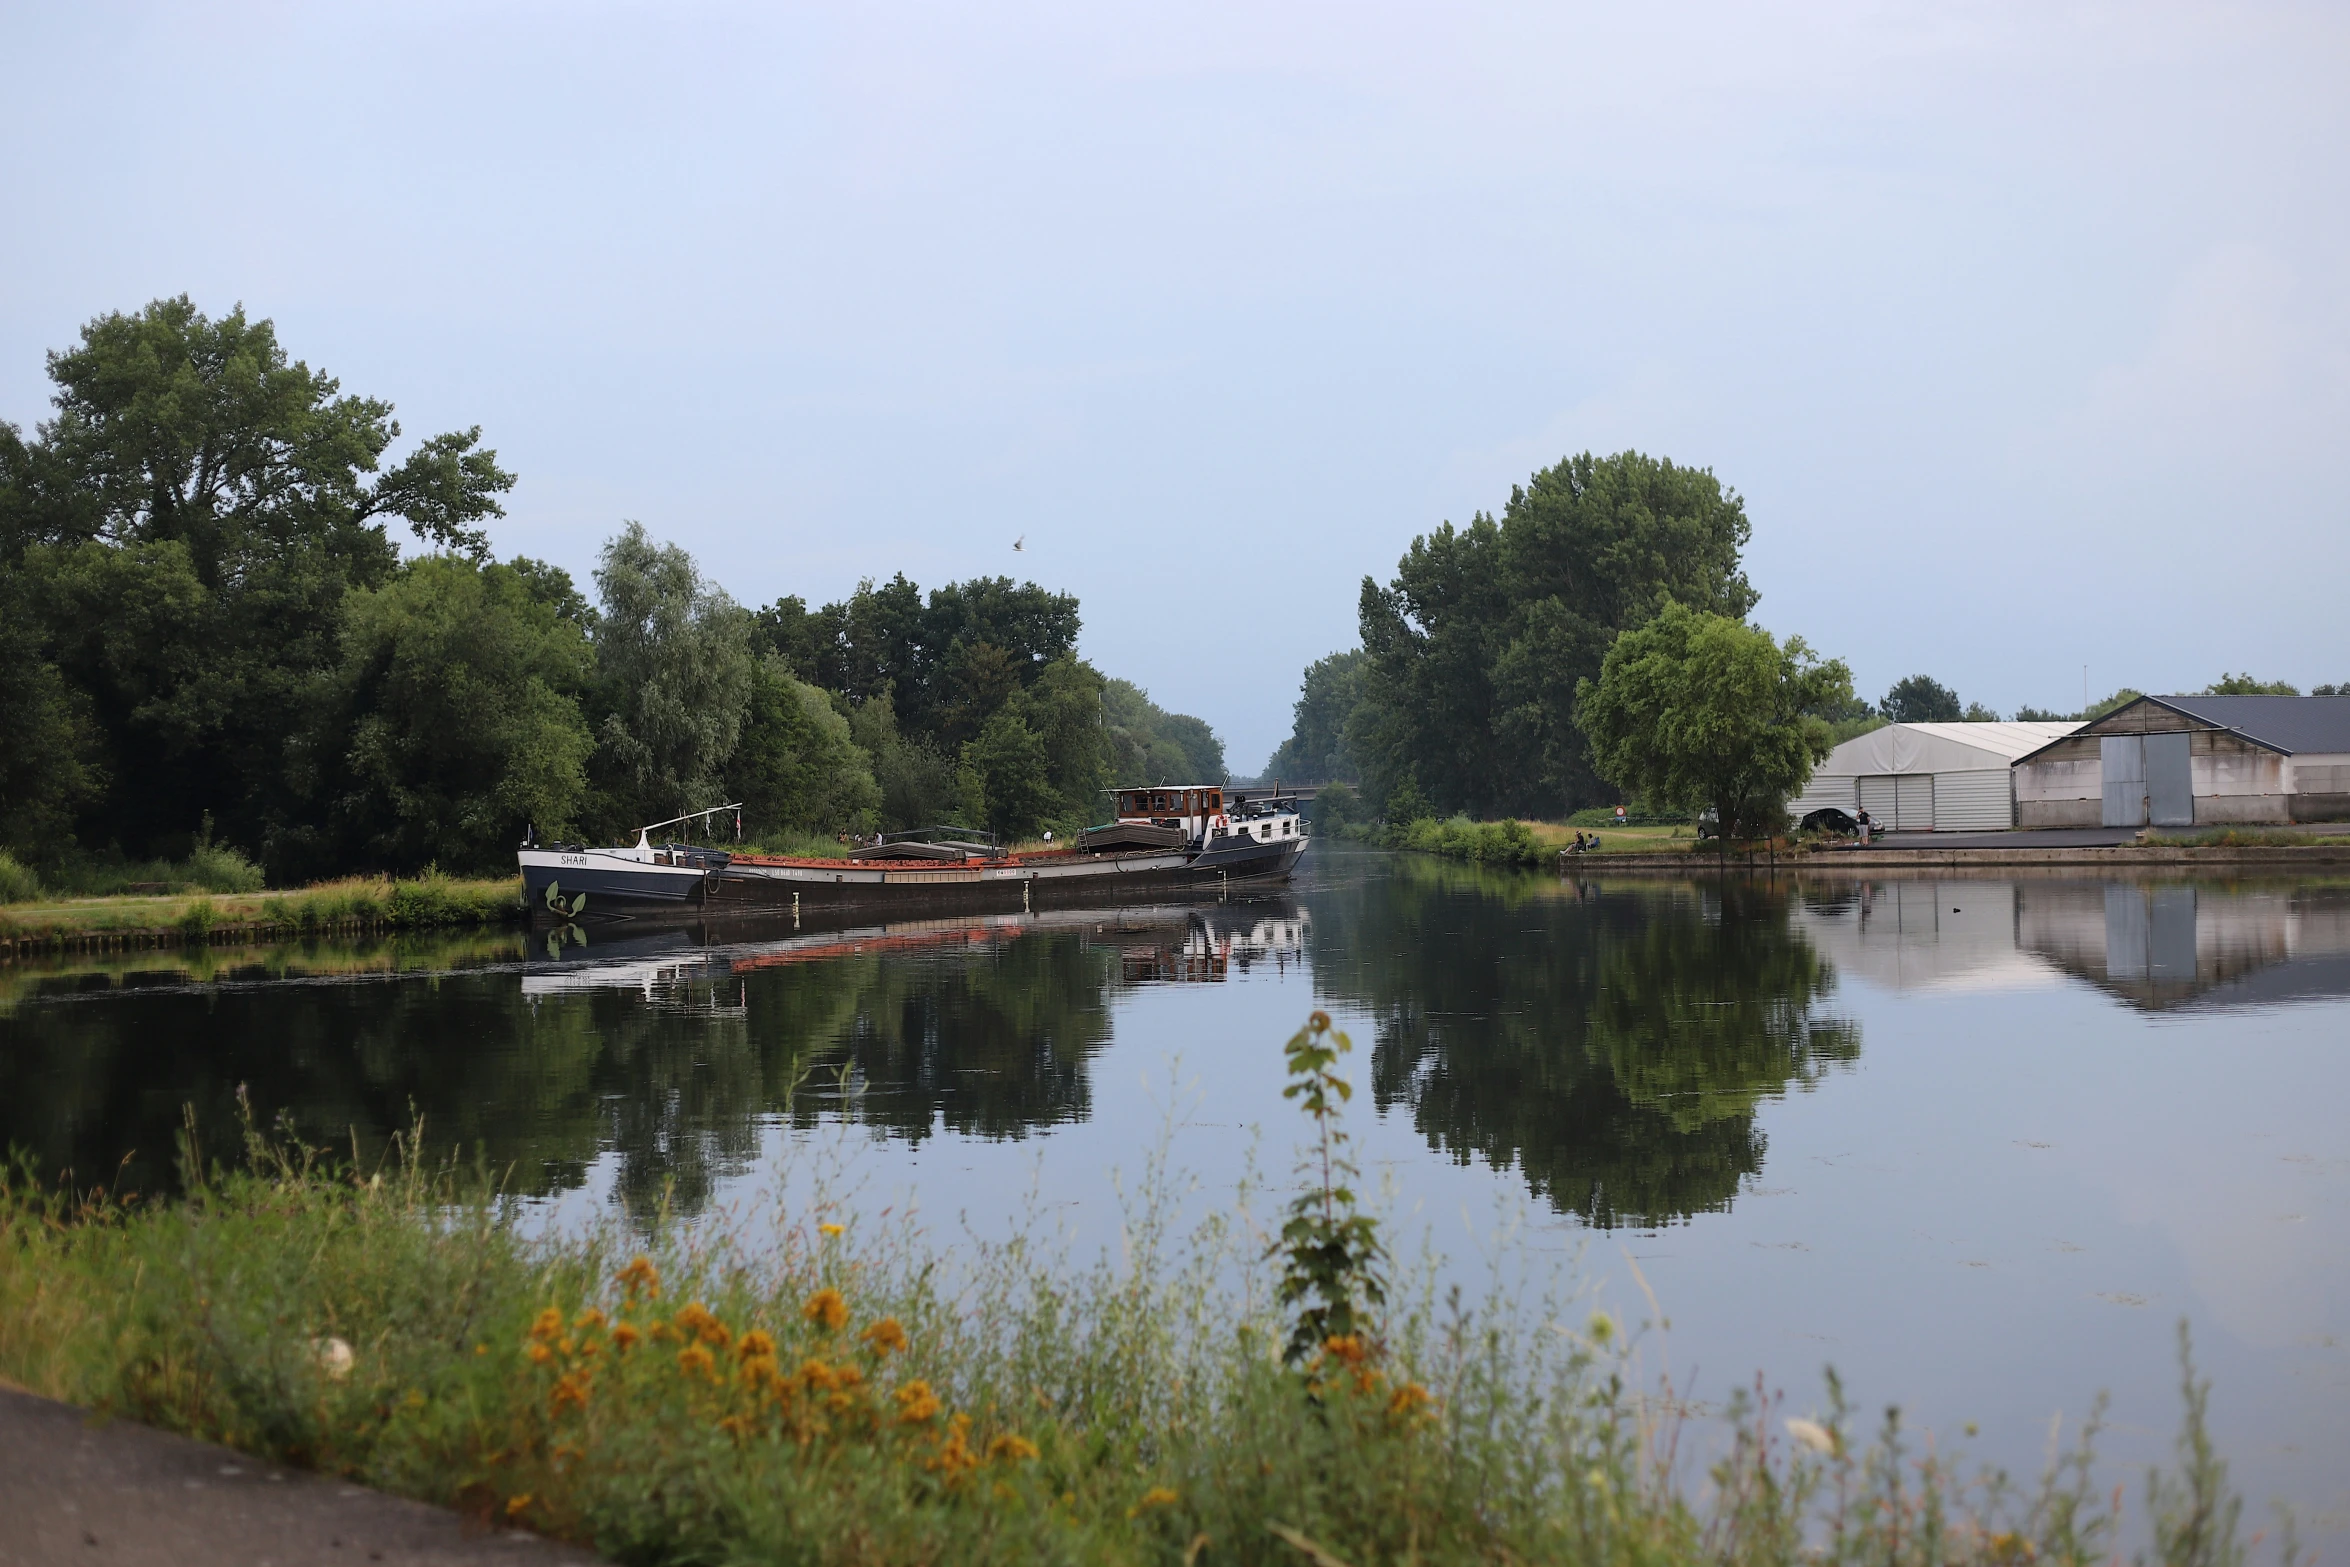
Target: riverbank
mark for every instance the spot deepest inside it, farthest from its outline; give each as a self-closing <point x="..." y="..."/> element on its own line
<point x="837" y="1387"/>
<point x="353" y="906"/>
<point x="2125" y="857"/>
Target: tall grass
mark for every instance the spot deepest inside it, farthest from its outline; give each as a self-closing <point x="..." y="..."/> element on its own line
<point x="851" y="1389"/>
<point x="17" y="883"/>
<point x="209" y="867"/>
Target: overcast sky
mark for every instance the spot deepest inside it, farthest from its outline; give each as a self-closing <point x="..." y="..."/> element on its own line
<point x="2023" y="330"/>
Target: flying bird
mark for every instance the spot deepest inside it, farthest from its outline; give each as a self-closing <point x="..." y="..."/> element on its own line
<point x="1021" y="542"/>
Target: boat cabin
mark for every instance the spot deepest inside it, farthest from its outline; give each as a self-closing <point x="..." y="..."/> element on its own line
<point x="1204" y="813"/>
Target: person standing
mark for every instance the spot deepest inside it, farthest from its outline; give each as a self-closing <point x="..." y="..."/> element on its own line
<point x="1866" y="826"/>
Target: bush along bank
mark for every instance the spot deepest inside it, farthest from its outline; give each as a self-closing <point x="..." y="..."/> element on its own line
<point x="847" y="1390"/>
<point x="1485" y="843"/>
<point x="353" y="906"/>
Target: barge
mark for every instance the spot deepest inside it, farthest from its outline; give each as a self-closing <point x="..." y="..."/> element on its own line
<point x="1192" y="840"/>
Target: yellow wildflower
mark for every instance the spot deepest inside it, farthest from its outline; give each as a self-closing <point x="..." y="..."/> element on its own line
<point x="548" y="1326"/>
<point x="754" y="1344"/>
<point x="835" y="1231"/>
<point x="695" y="1361"/>
<point x="697" y="1322"/>
<point x="1348" y="1347"/>
<point x="516" y="1506"/>
<point x="625" y="1336"/>
<point x="826" y="1309"/>
<point x="540" y="1354"/>
<point x="588" y="1321"/>
<point x="1156" y="1496"/>
<point x="886" y="1336"/>
<point x="640" y="1275"/>
<point x="1011" y="1449"/>
<point x="917" y="1405"/>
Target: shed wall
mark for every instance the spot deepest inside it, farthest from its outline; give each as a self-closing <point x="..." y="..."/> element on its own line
<point x="1980" y="801"/>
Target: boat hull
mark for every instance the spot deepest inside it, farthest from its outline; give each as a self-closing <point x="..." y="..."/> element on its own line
<point x="618" y="887"/>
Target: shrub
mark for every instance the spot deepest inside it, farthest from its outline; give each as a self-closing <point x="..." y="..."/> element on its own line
<point x="17" y="882"/>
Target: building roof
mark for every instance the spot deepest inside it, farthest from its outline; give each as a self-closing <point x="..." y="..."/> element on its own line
<point x="1939" y="748"/>
<point x="2291" y="724"/>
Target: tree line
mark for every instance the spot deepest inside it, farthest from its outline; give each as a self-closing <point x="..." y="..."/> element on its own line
<point x="209" y="632"/>
<point x="1589" y="643"/>
<point x="1590" y="646"/>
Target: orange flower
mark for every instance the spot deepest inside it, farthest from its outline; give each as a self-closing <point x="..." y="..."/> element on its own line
<point x="917" y="1405"/>
<point x="695" y="1321"/>
<point x="826" y="1309"/>
<point x="587" y="1321"/>
<point x="754" y="1344"/>
<point x="1011" y="1449"/>
<point x="1409" y="1399"/>
<point x="570" y="1392"/>
<point x="954" y="1457"/>
<point x="695" y="1361"/>
<point x="886" y="1336"/>
<point x="516" y="1506"/>
<point x="540" y="1354"/>
<point x="640" y="1275"/>
<point x="548" y="1325"/>
<point x="625" y="1336"/>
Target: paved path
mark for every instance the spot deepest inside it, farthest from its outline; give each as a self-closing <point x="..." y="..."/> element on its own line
<point x="91" y="1494"/>
<point x="2037" y="838"/>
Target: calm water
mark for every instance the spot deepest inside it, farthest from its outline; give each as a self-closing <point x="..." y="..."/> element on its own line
<point x="1979" y="1143"/>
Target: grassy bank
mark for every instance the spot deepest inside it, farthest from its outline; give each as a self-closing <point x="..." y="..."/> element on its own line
<point x="356" y="904"/>
<point x="846" y="1389"/>
<point x="1535" y="844"/>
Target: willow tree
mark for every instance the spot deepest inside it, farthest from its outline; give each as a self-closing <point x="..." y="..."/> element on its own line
<point x="1696" y="710"/>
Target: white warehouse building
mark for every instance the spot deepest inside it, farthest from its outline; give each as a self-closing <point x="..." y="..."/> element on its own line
<point x="1928" y="777"/>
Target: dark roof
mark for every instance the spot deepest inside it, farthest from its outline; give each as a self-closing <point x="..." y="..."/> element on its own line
<point x="2291" y="724"/>
<point x="2294" y="725"/>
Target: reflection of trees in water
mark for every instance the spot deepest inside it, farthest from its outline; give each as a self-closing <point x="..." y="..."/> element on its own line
<point x="987" y="1037"/>
<point x="1613" y="1046"/>
<point x="84" y="1084"/>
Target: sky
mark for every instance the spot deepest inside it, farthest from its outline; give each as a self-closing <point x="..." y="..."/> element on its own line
<point x="2023" y="330"/>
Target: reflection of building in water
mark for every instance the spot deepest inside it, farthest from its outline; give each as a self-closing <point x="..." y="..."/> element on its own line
<point x="2155" y="944"/>
<point x="1922" y="934"/>
<point x="1210" y="945"/>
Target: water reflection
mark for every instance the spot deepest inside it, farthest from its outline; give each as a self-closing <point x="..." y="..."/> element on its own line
<point x="2156" y="945"/>
<point x="1612" y="1043"/>
<point x="666" y="1053"/>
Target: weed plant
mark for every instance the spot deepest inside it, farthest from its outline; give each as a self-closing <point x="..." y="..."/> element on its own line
<point x="849" y="1390"/>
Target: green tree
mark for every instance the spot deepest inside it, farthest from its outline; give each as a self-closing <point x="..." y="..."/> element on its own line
<point x="1064" y="708"/>
<point x="1473" y="654"/>
<point x="673" y="663"/>
<point x="1921" y="699"/>
<point x="1315" y="751"/>
<point x="459" y="695"/>
<point x="1150" y="745"/>
<point x="1005" y="778"/>
<point x="797" y="768"/>
<point x="916" y="779"/>
<point x="2245" y="685"/>
<point x="1698" y="709"/>
<point x="189" y="522"/>
<point x="48" y="770"/>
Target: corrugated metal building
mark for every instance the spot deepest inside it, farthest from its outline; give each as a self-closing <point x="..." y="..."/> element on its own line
<point x="2194" y="761"/>
<point x="1927" y="777"/>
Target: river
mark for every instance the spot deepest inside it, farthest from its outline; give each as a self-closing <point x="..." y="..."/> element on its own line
<point x="1978" y="1142"/>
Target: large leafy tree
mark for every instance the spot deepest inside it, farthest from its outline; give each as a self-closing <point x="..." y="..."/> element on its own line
<point x="674" y="671"/>
<point x="1921" y="699"/>
<point x="1473" y="653"/>
<point x="797" y="768"/>
<point x="459" y="715"/>
<point x="1694" y="709"/>
<point x="189" y="523"/>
